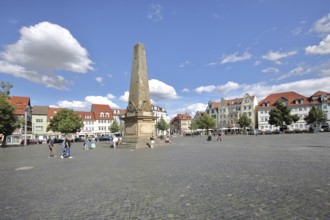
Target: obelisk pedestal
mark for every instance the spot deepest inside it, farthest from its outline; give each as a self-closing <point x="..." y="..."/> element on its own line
<point x="139" y="119"/>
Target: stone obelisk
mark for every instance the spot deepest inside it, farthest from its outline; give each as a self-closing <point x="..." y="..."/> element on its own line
<point x="139" y="119"/>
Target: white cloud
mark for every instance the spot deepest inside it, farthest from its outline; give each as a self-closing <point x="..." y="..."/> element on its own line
<point x="124" y="97"/>
<point x="42" y="50"/>
<point x="99" y="79"/>
<point x="229" y="86"/>
<point x="270" y="70"/>
<point x="100" y="100"/>
<point x="235" y="58"/>
<point x="110" y="96"/>
<point x="154" y="13"/>
<point x="185" y="63"/>
<point x="298" y="71"/>
<point x="276" y="56"/>
<point x="322" y="26"/>
<point x="192" y="109"/>
<point x="72" y="104"/>
<point x="185" y="90"/>
<point x="304" y="87"/>
<point x="322" y="48"/>
<point x="160" y="90"/>
<point x="207" y="89"/>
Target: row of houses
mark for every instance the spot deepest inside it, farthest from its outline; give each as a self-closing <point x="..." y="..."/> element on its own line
<point x="228" y="111"/>
<point x="96" y="121"/>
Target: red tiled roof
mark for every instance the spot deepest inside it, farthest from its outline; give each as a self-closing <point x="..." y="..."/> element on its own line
<point x="91" y="116"/>
<point x="98" y="109"/>
<point x="52" y="111"/>
<point x="289" y="96"/>
<point x="319" y="93"/>
<point x="20" y="103"/>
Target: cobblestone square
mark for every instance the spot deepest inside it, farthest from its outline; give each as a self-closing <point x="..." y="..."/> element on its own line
<point x="241" y="177"/>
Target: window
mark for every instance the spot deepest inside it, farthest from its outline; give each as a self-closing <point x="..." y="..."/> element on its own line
<point x="107" y="114"/>
<point x="39" y="120"/>
<point x="101" y="114"/>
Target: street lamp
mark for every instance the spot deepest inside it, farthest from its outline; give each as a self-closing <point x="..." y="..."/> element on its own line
<point x="27" y="108"/>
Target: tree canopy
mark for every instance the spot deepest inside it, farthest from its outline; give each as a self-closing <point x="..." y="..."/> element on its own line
<point x="244" y="121"/>
<point x="114" y="127"/>
<point x="162" y="125"/>
<point x="8" y="122"/>
<point x="281" y="116"/>
<point x="315" y="117"/>
<point x="65" y="121"/>
<point x="205" y="122"/>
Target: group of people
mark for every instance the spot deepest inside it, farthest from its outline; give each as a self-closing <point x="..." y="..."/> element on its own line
<point x="219" y="134"/>
<point x="66" y="148"/>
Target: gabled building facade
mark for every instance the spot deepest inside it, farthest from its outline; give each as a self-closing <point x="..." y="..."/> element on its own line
<point x="298" y="104"/>
<point x="23" y="113"/>
<point x="39" y="121"/>
<point x="230" y="111"/>
<point x="180" y="123"/>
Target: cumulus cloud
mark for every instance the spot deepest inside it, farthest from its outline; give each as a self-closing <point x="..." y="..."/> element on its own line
<point x="304" y="87"/>
<point x="42" y="50"/>
<point x="72" y="104"/>
<point x="322" y="48"/>
<point x="124" y="97"/>
<point x="99" y="79"/>
<point x="322" y="26"/>
<point x="207" y="89"/>
<point x="160" y="90"/>
<point x="185" y="90"/>
<point x="100" y="100"/>
<point x="154" y="13"/>
<point x="229" y="86"/>
<point x="277" y="56"/>
<point x="192" y="109"/>
<point x="232" y="58"/>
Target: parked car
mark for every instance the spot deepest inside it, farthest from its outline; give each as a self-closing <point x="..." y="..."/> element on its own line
<point x="31" y="141"/>
<point x="58" y="141"/>
<point x="105" y="138"/>
<point x="79" y="139"/>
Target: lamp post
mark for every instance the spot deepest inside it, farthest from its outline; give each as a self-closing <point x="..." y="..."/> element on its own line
<point x="27" y="108"/>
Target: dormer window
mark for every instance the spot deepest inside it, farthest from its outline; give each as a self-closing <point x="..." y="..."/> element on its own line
<point x="101" y="114"/>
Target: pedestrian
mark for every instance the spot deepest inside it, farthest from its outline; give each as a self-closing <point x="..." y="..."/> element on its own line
<point x="51" y="146"/>
<point x="219" y="136"/>
<point x="152" y="141"/>
<point x="209" y="137"/>
<point x="115" y="141"/>
<point x="64" y="152"/>
<point x="85" y="144"/>
<point x="68" y="147"/>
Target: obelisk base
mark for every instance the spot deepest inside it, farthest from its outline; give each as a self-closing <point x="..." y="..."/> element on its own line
<point x="138" y="130"/>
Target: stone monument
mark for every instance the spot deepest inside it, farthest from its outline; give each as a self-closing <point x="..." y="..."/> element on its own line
<point x="139" y="119"/>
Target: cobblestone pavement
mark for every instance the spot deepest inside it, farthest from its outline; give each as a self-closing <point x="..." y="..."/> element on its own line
<point x="241" y="177"/>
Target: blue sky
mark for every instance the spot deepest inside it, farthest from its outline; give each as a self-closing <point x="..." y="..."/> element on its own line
<point x="71" y="53"/>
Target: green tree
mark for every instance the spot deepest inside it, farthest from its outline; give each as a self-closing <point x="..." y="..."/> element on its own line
<point x="65" y="121"/>
<point x="114" y="127"/>
<point x="162" y="125"/>
<point x="206" y="122"/>
<point x="8" y="122"/>
<point x="280" y="116"/>
<point x="315" y="117"/>
<point x="244" y="121"/>
<point x="193" y="125"/>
